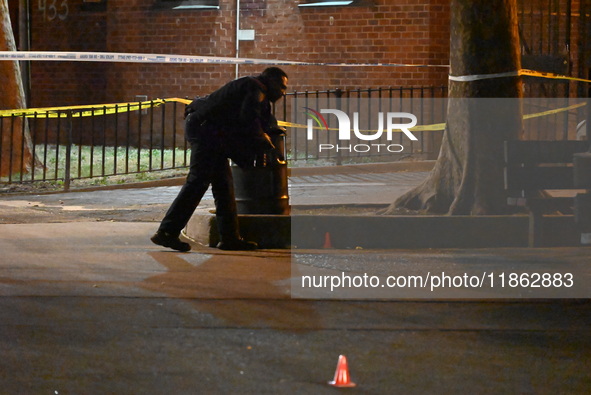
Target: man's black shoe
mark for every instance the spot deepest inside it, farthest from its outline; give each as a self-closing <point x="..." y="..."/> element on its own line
<point x="237" y="245"/>
<point x="165" y="239"/>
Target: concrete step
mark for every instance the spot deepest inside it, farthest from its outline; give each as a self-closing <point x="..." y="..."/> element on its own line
<point x="387" y="232"/>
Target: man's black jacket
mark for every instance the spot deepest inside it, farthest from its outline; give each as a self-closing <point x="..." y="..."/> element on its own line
<point x="236" y="115"/>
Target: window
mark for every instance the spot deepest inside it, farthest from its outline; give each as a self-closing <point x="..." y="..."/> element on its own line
<point x="94" y="5"/>
<point x="333" y="3"/>
<point x="189" y="4"/>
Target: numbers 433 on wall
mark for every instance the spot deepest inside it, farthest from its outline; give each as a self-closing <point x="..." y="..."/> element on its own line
<point x="53" y="9"/>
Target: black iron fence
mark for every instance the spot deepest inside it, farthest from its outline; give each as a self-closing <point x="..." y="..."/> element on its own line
<point x="426" y="103"/>
<point x="64" y="145"/>
<point x="554" y="37"/>
<point x="93" y="143"/>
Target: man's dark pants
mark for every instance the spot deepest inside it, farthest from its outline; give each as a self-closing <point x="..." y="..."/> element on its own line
<point x="209" y="165"/>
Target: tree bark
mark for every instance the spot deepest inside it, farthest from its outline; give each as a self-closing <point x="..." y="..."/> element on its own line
<point x="468" y="176"/>
<point x="16" y="146"/>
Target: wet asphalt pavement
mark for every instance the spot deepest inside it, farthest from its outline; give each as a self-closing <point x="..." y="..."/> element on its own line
<point x="88" y="305"/>
<point x="151" y="202"/>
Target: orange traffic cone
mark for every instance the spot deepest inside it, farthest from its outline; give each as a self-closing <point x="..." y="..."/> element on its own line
<point x="341" y="376"/>
<point x="327" y="242"/>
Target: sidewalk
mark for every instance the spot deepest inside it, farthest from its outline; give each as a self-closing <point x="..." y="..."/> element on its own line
<point x="91" y="306"/>
<point x="363" y="184"/>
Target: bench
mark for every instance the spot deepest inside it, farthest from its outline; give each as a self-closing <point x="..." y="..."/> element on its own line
<point x="532" y="168"/>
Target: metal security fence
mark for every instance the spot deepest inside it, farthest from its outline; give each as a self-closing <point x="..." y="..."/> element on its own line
<point x="555" y="37"/>
<point x="93" y="143"/>
<point x="64" y="145"/>
<point x="325" y="146"/>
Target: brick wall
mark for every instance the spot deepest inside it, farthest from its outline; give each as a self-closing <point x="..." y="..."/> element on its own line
<point x="408" y="31"/>
<point x="67" y="27"/>
<point x="385" y="33"/>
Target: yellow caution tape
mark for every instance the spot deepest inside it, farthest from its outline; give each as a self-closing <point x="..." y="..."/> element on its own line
<point x="88" y="110"/>
<point x="421" y="128"/>
<point x="80" y="111"/>
<point x="533" y="73"/>
<point x="441" y="126"/>
<point x="176" y="99"/>
<point x="551" y="112"/>
<point x="116" y="108"/>
<point x="522" y="72"/>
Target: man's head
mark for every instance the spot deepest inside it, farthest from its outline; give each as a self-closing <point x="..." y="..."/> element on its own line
<point x="276" y="81"/>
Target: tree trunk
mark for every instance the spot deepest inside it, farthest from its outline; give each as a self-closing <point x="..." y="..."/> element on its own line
<point x="468" y="176"/>
<point x="16" y="146"/>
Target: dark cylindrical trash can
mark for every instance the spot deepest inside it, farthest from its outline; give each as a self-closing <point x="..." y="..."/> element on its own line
<point x="582" y="178"/>
<point x="263" y="189"/>
<point x="583" y="212"/>
<point x="582" y="170"/>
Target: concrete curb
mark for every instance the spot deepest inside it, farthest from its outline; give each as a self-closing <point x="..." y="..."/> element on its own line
<point x="387" y="232"/>
<point x="392" y="167"/>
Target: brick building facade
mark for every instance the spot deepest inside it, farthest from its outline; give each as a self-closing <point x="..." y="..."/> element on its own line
<point x="554" y="37"/>
<point x="378" y="31"/>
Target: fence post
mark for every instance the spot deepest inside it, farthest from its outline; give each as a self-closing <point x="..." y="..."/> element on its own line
<point x="588" y="115"/>
<point x="339" y="95"/>
<point x="68" y="152"/>
<point x="582" y="174"/>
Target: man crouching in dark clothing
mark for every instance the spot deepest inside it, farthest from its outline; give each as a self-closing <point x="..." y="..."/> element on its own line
<point x="229" y="123"/>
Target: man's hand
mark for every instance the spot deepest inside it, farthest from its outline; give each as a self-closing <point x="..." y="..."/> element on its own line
<point x="268" y="142"/>
<point x="276" y="157"/>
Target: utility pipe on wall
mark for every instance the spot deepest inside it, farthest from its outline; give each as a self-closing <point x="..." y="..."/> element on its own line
<point x="237" y="34"/>
<point x="24" y="44"/>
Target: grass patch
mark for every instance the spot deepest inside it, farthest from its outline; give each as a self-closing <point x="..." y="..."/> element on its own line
<point x="98" y="165"/>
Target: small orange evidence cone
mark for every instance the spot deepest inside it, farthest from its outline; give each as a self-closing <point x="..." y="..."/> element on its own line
<point x="341" y="376"/>
<point x="327" y="242"/>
